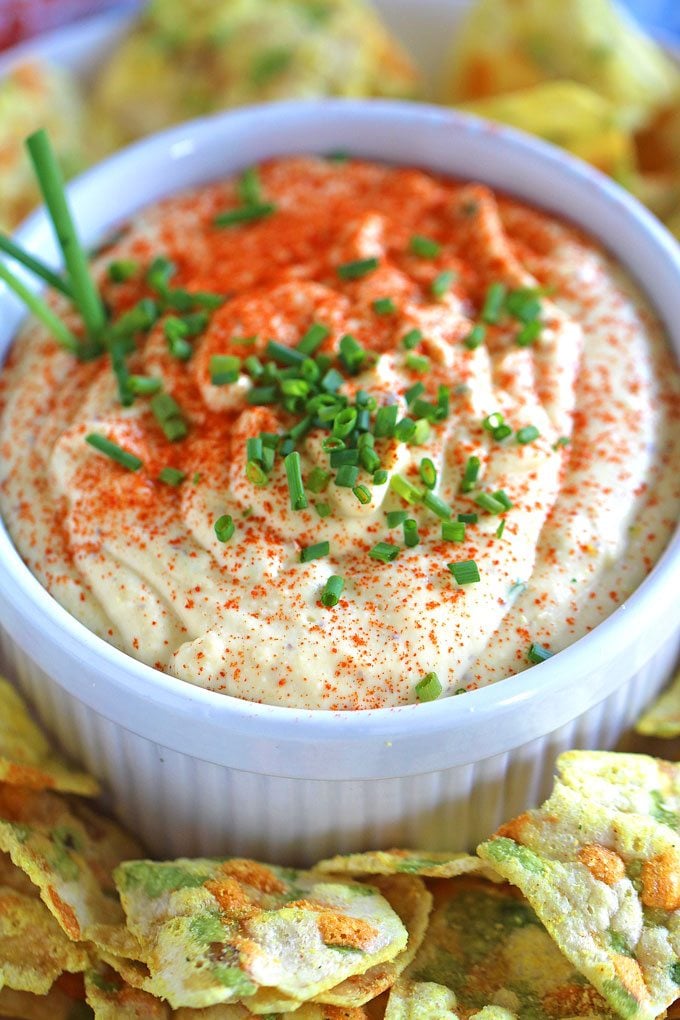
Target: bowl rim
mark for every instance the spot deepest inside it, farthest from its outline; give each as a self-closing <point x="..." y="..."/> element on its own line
<point x="530" y="688"/>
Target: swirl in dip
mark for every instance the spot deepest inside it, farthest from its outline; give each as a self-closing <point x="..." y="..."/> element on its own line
<point x="492" y="330"/>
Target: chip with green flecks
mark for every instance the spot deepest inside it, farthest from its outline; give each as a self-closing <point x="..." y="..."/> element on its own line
<point x="216" y="931"/>
<point x="26" y="757"/>
<point x="486" y="946"/>
<point x="407" y="862"/>
<point x="606" y="884"/>
<point x="662" y="718"/>
<point x="69" y="852"/>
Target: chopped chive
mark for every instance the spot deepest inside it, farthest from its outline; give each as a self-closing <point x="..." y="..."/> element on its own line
<point x="437" y="505"/>
<point x="404" y="430"/>
<point x="396" y="517"/>
<point x="475" y="337"/>
<point x="414" y="391"/>
<point x="500" y="529"/>
<point x="138" y="319"/>
<point x="323" y="509"/>
<point x="405" y="489"/>
<point x="195" y="323"/>
<point x="468" y="518"/>
<point x="159" y="274"/>
<point x="501" y="432"/>
<point x="254" y="448"/>
<point x="318" y="480"/>
<point x="422" y="432"/>
<point x="363" y="494"/>
<point x="179" y="347"/>
<point x="344" y="422"/>
<point x="206" y="299"/>
<point x="313" y="338"/>
<point x="492" y="308"/>
<point x="61" y="333"/>
<point x="492" y="421"/>
<point x="384" y="306"/>
<point x="298" y="500"/>
<point x="284" y="355"/>
<point x="443" y="401"/>
<point x="224" y="527"/>
<point x="352" y="354"/>
<point x="424" y="409"/>
<point x="249" y="187"/>
<point x="370" y="460"/>
<point x="411" y="536"/>
<point x="168" y="414"/>
<point x="524" y="303"/>
<point x="417" y="362"/>
<point x="537" y="653"/>
<point x="85" y="293"/>
<point x="37" y="267"/>
<point x="453" y="531"/>
<point x="114" y="451"/>
<point x="489" y="503"/>
<point x="428" y="473"/>
<point x="332" y="381"/>
<point x="171" y="476"/>
<point x="346" y="476"/>
<point x="301" y="429"/>
<point x="470" y="474"/>
<point x="503" y="498"/>
<point x="385" y="421"/>
<point x="529" y="333"/>
<point x="253" y="366"/>
<point x="425" y="247"/>
<point x="256" y="474"/>
<point x="411" y="339"/>
<point x="118" y="352"/>
<point x="144" y="385"/>
<point x="465" y="571"/>
<point x="384" y="551"/>
<point x="357" y="268"/>
<point x="341" y="458"/>
<point x="295" y="387"/>
<point x="259" y="396"/>
<point x="429" y="688"/>
<point x="330" y="596"/>
<point x="245" y="214"/>
<point x="379" y="476"/>
<point x="314" y="552"/>
<point x="562" y="441"/>
<point x="332" y="443"/>
<point x="527" y="434"/>
<point x="442" y="283"/>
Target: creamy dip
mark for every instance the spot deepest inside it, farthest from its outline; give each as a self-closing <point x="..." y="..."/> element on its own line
<point x="567" y="395"/>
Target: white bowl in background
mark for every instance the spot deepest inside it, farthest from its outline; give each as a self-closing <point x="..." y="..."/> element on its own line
<point x="193" y="771"/>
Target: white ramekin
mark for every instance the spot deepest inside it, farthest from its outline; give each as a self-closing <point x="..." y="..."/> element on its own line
<point x="193" y="771"/>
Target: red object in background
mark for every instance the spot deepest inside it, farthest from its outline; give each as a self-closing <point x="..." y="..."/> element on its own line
<point x="20" y="19"/>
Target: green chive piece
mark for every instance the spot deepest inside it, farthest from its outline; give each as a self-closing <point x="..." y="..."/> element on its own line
<point x="527" y="434"/>
<point x="370" y="460"/>
<point x="284" y="355"/>
<point x="298" y="500"/>
<point x="437" y="505"/>
<point x="492" y="309"/>
<point x="357" y="268"/>
<point x="224" y="369"/>
<point x="503" y="498"/>
<point x="475" y="337"/>
<point x="332" y="381"/>
<point x="470" y="474"/>
<point x="256" y="474"/>
<point x="411" y="339"/>
<point x="562" y="441"/>
<point x="249" y="187"/>
<point x="424" y="409"/>
<point x="396" y="517"/>
<point x="405" y="430"/>
<point x="37" y="267"/>
<point x="114" y="451"/>
<point x="524" y="303"/>
<point x="144" y="385"/>
<point x="333" y="589"/>
<point x="253" y="366"/>
<point x="501" y="432"/>
<point x="176" y="333"/>
<point x="51" y="182"/>
<point x="347" y="476"/>
<point x="384" y="306"/>
<point x="489" y="503"/>
<point x="421" y="434"/>
<point x="344" y="422"/>
<point x="314" y="552"/>
<point x="171" y="476"/>
<point x="453" y="531"/>
<point x="429" y="688"/>
<point x="318" y="480"/>
<point x="417" y="362"/>
<point x="414" y="391"/>
<point x="121" y="270"/>
<point x="425" y="247"/>
<point x="313" y="338"/>
<point x="384" y="551"/>
<point x="428" y="473"/>
<point x="340" y="458"/>
<point x="195" y="323"/>
<point x="443" y="400"/>
<point x="500" y="529"/>
<point x="529" y="333"/>
<point x="332" y="443"/>
<point x="405" y="489"/>
<point x="159" y="274"/>
<point x="492" y="421"/>
<point x="363" y="494"/>
<point x="323" y="509"/>
<point x="442" y="283"/>
<point x="224" y="527"/>
<point x="379" y="476"/>
<point x="468" y="518"/>
<point x="245" y="214"/>
<point x="352" y="354"/>
<point x="61" y="333"/>
<point x="411" y="536"/>
<point x="537" y="653"/>
<point x="465" y="571"/>
<point x="385" y="421"/>
<point x="259" y="396"/>
<point x="138" y="319"/>
<point x="168" y="414"/>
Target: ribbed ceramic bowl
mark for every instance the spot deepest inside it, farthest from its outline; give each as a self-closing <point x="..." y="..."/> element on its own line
<point x="193" y="771"/>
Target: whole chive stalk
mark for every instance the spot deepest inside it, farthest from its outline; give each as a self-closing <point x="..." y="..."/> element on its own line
<point x="35" y="265"/>
<point x="61" y="333"/>
<point x="51" y="182"/>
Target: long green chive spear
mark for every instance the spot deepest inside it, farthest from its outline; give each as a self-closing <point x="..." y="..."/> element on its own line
<point x="51" y="182"/>
<point x="41" y="310"/>
<point x="35" y="265"/>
